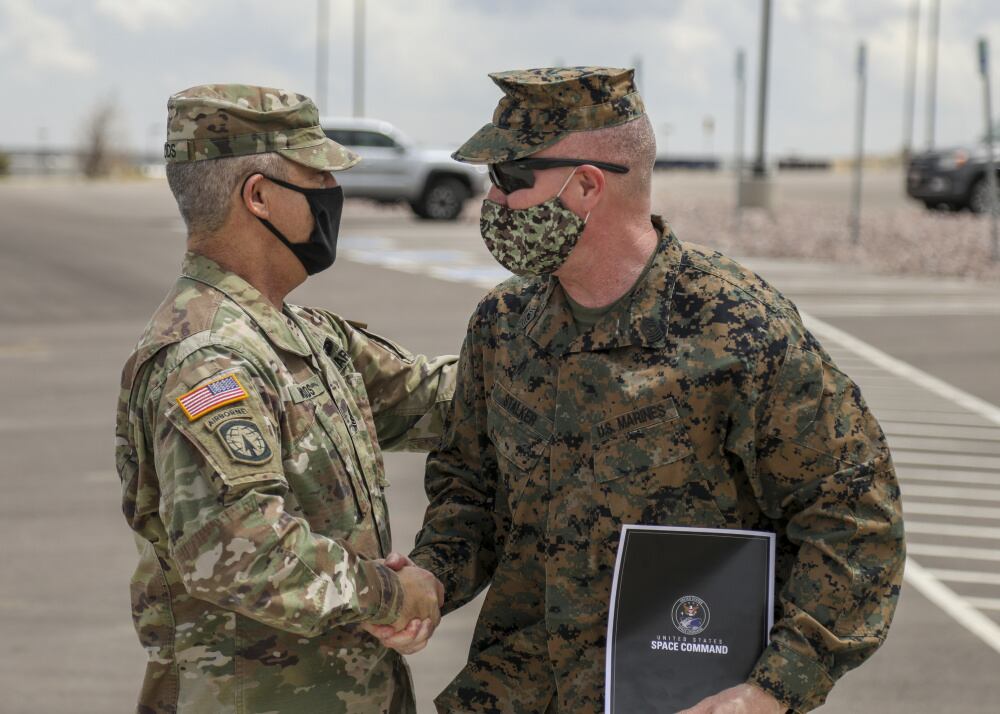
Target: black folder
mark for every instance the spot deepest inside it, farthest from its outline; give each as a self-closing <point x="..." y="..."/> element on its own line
<point x="691" y="609"/>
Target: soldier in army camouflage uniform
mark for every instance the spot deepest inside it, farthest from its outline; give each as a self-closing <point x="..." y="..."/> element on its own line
<point x="250" y="436"/>
<point x="624" y="376"/>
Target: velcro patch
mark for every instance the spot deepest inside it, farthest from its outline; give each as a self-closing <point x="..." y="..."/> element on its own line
<point x="208" y="397"/>
<point x="633" y="420"/>
<point x="310" y="389"/>
<point x="244" y="441"/>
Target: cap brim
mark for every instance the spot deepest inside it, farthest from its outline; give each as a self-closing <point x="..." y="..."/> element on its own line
<point x="493" y="144"/>
<point x="326" y="155"/>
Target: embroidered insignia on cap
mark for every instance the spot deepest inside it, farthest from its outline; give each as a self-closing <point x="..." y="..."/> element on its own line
<point x="217" y="393"/>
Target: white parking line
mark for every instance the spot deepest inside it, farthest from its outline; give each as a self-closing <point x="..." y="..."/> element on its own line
<point x="942" y="431"/>
<point x="968" y="494"/>
<point x="947" y="445"/>
<point x="926" y="581"/>
<point x="911" y="416"/>
<point x="902" y="369"/>
<point x="932" y="458"/>
<point x="915" y="473"/>
<point x="950" y="529"/>
<point x="949" y="601"/>
<point x="951" y="509"/>
<point x="984" y="603"/>
<point x="965" y="576"/>
<point x="952" y="551"/>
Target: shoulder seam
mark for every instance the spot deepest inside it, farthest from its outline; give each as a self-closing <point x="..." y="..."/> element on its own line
<point x="708" y="270"/>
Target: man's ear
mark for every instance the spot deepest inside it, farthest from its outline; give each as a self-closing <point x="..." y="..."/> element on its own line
<point x="254" y="197"/>
<point x="591" y="185"/>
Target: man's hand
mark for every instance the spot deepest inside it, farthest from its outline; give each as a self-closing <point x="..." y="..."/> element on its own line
<point x="741" y="699"/>
<point x="423" y="596"/>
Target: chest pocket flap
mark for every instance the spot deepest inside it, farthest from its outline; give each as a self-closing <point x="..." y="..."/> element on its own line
<point x="518" y="432"/>
<point x="637" y="441"/>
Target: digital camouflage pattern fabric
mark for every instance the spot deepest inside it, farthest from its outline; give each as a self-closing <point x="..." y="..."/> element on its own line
<point x="541" y="106"/>
<point x="699" y="401"/>
<point x="530" y="241"/>
<point x="214" y="121"/>
<point x="249" y="445"/>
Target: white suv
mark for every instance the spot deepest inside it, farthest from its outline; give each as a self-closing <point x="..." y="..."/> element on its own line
<point x="394" y="169"/>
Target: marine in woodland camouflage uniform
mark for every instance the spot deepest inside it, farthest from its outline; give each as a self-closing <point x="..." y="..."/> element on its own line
<point x="701" y="400"/>
<point x="260" y="516"/>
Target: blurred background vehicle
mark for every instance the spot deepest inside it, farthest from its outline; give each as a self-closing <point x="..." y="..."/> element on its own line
<point x="396" y="169"/>
<point x="951" y="179"/>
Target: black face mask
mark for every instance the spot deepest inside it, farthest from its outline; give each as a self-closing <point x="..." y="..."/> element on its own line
<point x="326" y="204"/>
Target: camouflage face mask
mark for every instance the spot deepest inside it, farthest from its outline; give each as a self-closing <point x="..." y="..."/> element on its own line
<point x="534" y="240"/>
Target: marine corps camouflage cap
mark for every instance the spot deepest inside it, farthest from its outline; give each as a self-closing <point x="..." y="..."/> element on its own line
<point x="213" y="121"/>
<point x="541" y="106"/>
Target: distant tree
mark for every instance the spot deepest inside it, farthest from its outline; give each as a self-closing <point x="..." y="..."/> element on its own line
<point x="97" y="156"/>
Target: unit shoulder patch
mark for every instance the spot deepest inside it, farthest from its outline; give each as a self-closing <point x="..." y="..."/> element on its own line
<point x="244" y="441"/>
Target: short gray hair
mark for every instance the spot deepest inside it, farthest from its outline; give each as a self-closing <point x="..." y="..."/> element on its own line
<point x="204" y="189"/>
<point x="632" y="144"/>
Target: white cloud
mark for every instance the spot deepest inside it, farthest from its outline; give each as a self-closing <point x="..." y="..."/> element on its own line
<point x="138" y="15"/>
<point x="40" y="41"/>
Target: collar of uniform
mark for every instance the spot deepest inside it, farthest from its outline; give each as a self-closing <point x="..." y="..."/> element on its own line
<point x="547" y="318"/>
<point x="256" y="306"/>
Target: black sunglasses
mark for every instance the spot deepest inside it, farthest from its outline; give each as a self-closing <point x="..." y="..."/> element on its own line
<point x="510" y="176"/>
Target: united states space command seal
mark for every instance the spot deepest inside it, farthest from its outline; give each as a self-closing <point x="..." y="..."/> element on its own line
<point x="244" y="442"/>
<point x="690" y="615"/>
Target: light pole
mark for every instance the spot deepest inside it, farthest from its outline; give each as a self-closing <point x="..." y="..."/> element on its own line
<point x="759" y="165"/>
<point x="991" y="172"/>
<point x="708" y="132"/>
<point x="665" y="131"/>
<point x="322" y="52"/>
<point x="859" y="145"/>
<point x="741" y="101"/>
<point x="359" y="58"/>
<point x="909" y="102"/>
<point x="934" y="22"/>
<point x="756" y="189"/>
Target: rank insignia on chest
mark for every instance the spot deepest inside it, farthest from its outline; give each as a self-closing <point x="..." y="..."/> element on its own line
<point x="217" y="393"/>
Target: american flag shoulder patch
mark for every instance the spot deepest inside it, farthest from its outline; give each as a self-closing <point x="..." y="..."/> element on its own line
<point x="217" y="393"/>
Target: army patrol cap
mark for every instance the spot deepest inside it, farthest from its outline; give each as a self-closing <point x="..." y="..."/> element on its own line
<point x="213" y="121"/>
<point x="542" y="106"/>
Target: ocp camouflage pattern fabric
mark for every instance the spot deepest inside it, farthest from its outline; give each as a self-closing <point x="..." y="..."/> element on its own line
<point x="259" y="520"/>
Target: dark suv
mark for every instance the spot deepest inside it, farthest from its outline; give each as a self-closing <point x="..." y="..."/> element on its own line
<point x="951" y="179"/>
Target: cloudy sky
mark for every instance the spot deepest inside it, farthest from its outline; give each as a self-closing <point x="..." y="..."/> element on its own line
<point x="427" y="62"/>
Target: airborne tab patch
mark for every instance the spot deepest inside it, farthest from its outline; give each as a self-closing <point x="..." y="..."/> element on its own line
<point x="217" y="393"/>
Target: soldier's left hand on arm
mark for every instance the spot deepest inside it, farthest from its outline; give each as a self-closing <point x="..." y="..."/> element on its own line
<point x="741" y="699"/>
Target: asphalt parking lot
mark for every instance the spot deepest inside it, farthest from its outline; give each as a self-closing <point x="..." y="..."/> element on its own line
<point x="83" y="266"/>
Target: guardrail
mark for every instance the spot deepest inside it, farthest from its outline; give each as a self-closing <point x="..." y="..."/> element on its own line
<point x="69" y="162"/>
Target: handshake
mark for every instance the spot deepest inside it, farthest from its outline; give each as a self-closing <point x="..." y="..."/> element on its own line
<point x="423" y="596"/>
